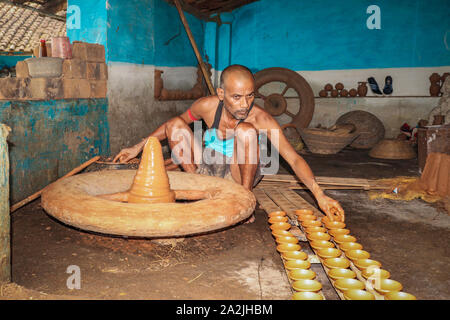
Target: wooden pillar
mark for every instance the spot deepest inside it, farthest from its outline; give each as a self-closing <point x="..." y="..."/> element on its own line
<point x="5" y="249"/>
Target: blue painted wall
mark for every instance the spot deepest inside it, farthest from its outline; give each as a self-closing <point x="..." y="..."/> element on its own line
<point x="329" y="34"/>
<point x="11" y="61"/>
<point x="50" y="138"/>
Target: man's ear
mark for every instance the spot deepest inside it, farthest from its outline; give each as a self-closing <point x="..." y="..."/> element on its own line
<point x="220" y="93"/>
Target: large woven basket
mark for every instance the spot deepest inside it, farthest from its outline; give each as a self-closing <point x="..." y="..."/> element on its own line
<point x="326" y="142"/>
<point x="392" y="149"/>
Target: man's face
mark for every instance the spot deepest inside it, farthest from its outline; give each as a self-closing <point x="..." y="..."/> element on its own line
<point x="237" y="95"/>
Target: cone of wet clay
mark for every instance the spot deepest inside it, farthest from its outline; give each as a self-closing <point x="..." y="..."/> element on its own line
<point x="151" y="183"/>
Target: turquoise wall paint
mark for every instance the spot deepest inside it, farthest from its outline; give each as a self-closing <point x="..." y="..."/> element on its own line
<point x="11" y="61"/>
<point x="329" y="34"/>
<point x="50" y="138"/>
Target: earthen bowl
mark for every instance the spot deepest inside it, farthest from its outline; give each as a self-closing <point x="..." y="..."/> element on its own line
<point x="337" y="232"/>
<point x="388" y="285"/>
<point x="329" y="253"/>
<point x="356" y="294"/>
<point x="281" y="240"/>
<point x="285" y="247"/>
<point x="301" y="274"/>
<point x="315" y="229"/>
<point x="297" y="264"/>
<point x="273" y="220"/>
<point x="344" y="238"/>
<point x="280" y="226"/>
<point x="303" y="212"/>
<point x="334" y="225"/>
<point x="294" y="255"/>
<point x="332" y="263"/>
<point x="346" y="246"/>
<point x="348" y="284"/>
<point x="281" y="233"/>
<point x="306" y="295"/>
<point x="307" y="285"/>
<point x="363" y="264"/>
<point x="306" y="217"/>
<point x="398" y="295"/>
<point x="318" y="236"/>
<point x="277" y="214"/>
<point x="357" y="254"/>
<point x="321" y="244"/>
<point x="376" y="273"/>
<point x="311" y="223"/>
<point x="341" y="273"/>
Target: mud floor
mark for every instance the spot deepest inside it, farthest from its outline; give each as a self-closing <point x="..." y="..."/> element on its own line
<point x="411" y="239"/>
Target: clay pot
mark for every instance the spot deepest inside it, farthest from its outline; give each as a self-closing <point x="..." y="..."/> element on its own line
<point x="438" y="119"/>
<point x="435" y="78"/>
<point x="435" y="89"/>
<point x="334" y="93"/>
<point x="362" y="89"/>
<point x="344" y="93"/>
<point x="339" y="86"/>
<point x="352" y="93"/>
<point x="323" y="93"/>
<point x="328" y="87"/>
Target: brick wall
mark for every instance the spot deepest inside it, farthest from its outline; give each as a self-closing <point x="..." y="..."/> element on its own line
<point x="84" y="76"/>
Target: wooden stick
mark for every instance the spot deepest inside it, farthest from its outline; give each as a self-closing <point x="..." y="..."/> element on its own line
<point x="38" y="194"/>
<point x="194" y="46"/>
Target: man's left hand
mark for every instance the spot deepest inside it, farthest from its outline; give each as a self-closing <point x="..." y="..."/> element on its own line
<point x="331" y="207"/>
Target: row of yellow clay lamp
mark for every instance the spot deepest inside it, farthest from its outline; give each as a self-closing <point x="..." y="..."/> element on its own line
<point x="373" y="283"/>
<point x="337" y="264"/>
<point x="295" y="261"/>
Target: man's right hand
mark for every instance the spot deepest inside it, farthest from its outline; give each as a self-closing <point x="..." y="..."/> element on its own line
<point x="127" y="154"/>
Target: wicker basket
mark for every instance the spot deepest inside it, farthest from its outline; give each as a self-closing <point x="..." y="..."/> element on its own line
<point x="322" y="141"/>
<point x="392" y="149"/>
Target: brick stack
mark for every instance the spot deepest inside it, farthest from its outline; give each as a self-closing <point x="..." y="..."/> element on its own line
<point x="84" y="76"/>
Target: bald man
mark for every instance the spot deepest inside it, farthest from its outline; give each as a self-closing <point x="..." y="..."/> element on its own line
<point x="235" y="124"/>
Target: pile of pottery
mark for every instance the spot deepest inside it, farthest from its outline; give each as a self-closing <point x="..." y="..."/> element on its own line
<point x="340" y="91"/>
<point x="349" y="267"/>
<point x="436" y="82"/>
<point x="294" y="259"/>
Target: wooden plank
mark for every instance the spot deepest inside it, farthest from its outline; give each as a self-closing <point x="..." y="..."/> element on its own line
<point x="337" y="181"/>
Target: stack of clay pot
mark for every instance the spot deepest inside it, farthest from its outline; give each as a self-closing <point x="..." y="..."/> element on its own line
<point x="295" y="261"/>
<point x="352" y="273"/>
<point x="340" y="91"/>
<point x="436" y="82"/>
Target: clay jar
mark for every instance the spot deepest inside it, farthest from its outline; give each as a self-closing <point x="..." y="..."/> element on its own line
<point x="323" y="93"/>
<point x="362" y="89"/>
<point x="339" y="86"/>
<point x="435" y="89"/>
<point x="435" y="78"/>
<point x="344" y="93"/>
<point x="334" y="93"/>
<point x="328" y="87"/>
<point x="352" y="92"/>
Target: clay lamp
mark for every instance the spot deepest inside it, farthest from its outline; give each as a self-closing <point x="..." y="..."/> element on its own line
<point x="281" y="240"/>
<point x="311" y="223"/>
<point x="341" y="273"/>
<point x="306" y="295"/>
<point x="384" y="286"/>
<point x="315" y="229"/>
<point x="376" y="273"/>
<point x="398" y="295"/>
<point x="285" y="247"/>
<point x="281" y="233"/>
<point x="307" y="285"/>
<point x="349" y="284"/>
<point x="338" y="232"/>
<point x="294" y="255"/>
<point x="327" y="253"/>
<point x="280" y="226"/>
<point x="357" y="254"/>
<point x="318" y="236"/>
<point x="346" y="246"/>
<point x="303" y="212"/>
<point x="358" y="294"/>
<point x="321" y="244"/>
<point x="306" y="217"/>
<point x="277" y="214"/>
<point x="344" y="238"/>
<point x="334" y="225"/>
<point x="363" y="264"/>
<point x="277" y="219"/>
<point x="332" y="263"/>
<point x="301" y="274"/>
<point x="297" y="264"/>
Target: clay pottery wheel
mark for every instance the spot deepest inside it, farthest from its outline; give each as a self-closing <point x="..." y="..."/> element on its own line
<point x="392" y="149"/>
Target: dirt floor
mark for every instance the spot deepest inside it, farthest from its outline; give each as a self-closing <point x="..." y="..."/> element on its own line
<point x="411" y="239"/>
